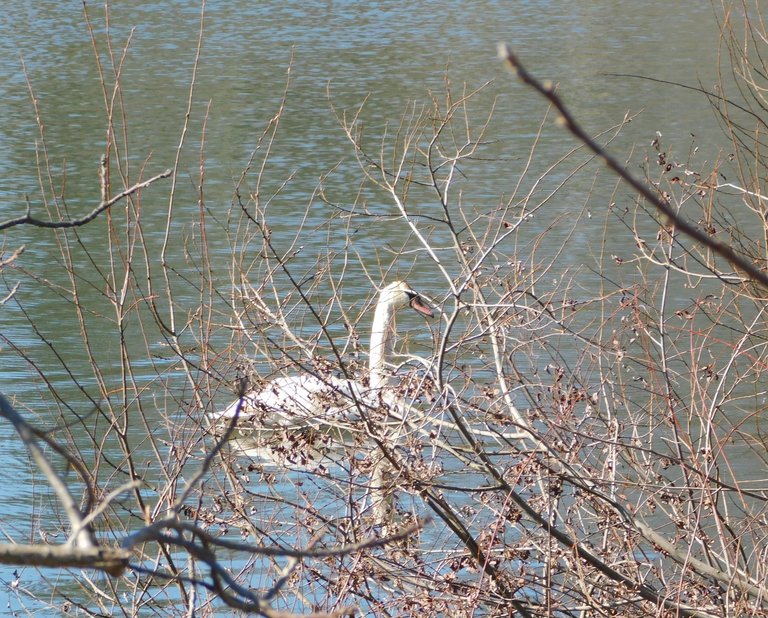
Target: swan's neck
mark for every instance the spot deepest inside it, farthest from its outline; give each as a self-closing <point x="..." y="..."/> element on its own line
<point x="381" y="344"/>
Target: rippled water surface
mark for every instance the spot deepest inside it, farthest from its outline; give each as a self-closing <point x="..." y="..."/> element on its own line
<point x="336" y="55"/>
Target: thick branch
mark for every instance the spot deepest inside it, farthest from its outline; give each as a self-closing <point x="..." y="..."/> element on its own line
<point x="548" y="91"/>
<point x="111" y="560"/>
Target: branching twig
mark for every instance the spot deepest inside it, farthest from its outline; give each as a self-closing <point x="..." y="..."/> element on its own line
<point x="154" y="532"/>
<point x="28" y="219"/>
<point x="81" y="549"/>
<point x="548" y="91"/>
<point x="81" y="537"/>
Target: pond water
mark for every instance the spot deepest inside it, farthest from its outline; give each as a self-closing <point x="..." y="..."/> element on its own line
<point x="337" y="55"/>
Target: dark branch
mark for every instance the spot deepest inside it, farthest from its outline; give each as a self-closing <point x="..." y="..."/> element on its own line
<point x="547" y="90"/>
<point x="28" y="219"/>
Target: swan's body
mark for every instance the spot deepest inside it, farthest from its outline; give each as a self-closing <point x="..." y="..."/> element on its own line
<point x="307" y="401"/>
<point x="300" y="401"/>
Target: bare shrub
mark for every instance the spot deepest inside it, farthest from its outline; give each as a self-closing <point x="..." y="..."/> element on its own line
<point x="570" y="433"/>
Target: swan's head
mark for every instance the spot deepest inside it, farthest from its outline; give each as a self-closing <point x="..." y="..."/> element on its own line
<point x="398" y="295"/>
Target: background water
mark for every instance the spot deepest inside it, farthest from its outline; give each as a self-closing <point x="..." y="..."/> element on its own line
<point x="393" y="54"/>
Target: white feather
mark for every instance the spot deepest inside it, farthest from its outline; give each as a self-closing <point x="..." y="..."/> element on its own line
<point x="306" y="400"/>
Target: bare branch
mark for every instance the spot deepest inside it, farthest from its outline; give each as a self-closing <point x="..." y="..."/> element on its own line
<point x="154" y="532"/>
<point x="8" y="260"/>
<point x="111" y="560"/>
<point x="81" y="537"/>
<point x="28" y="219"/>
<point x="548" y="91"/>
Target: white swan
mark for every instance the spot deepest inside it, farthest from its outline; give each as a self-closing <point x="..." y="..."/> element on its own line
<point x="308" y="401"/>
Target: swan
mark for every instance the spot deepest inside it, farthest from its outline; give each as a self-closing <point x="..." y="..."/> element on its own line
<point x="307" y="401"/>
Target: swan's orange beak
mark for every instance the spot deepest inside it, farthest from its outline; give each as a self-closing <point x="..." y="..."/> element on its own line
<point x="420" y="306"/>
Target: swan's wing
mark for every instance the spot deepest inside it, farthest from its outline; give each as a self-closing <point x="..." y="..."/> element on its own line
<point x="300" y="401"/>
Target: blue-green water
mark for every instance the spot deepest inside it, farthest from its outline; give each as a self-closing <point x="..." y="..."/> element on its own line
<point x="325" y="59"/>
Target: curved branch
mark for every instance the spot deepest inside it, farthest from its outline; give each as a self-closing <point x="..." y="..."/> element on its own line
<point x="28" y="219"/>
